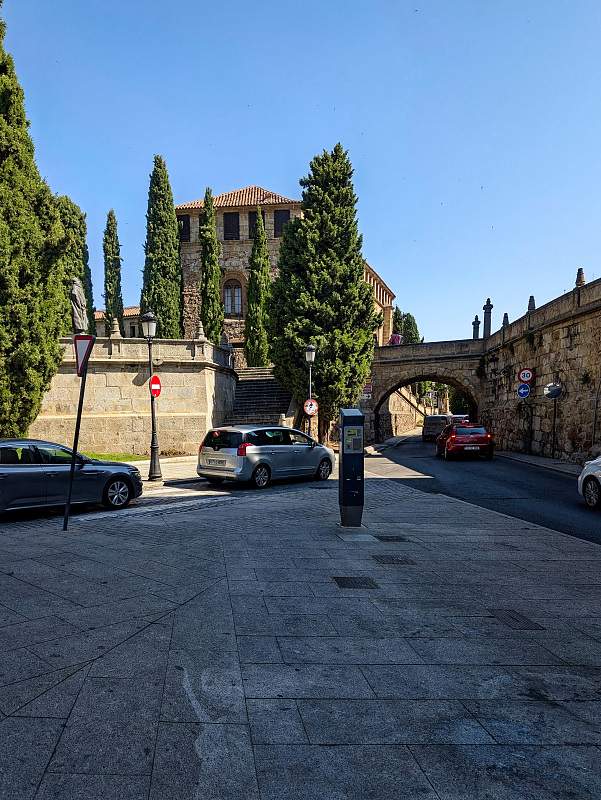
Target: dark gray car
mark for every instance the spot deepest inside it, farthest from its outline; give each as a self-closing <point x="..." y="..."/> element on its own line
<point x="36" y="473"/>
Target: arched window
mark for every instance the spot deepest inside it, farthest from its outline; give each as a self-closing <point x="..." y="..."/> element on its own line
<point x="232" y="298"/>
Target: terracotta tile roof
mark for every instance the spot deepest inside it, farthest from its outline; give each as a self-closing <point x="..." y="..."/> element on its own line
<point x="249" y="196"/>
<point x="128" y="311"/>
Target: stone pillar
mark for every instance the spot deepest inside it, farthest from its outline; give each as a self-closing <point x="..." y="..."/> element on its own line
<point x="115" y="331"/>
<point x="487" y="308"/>
<point x="531" y="303"/>
<point x="580" y="279"/>
<point x="505" y="320"/>
<point x="476" y="327"/>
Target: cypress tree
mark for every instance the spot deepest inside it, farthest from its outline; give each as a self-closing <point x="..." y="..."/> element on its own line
<point x="34" y="291"/>
<point x="320" y="296"/>
<point x="410" y="330"/>
<point x="76" y="251"/>
<point x="256" y="347"/>
<point x="161" y="284"/>
<point x="211" y="307"/>
<point x="113" y="299"/>
<point x="397" y="320"/>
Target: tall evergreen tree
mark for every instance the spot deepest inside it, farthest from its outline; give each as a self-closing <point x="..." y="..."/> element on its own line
<point x="161" y="283"/>
<point x="320" y="295"/>
<point x="397" y="320"/>
<point x="76" y="251"/>
<point x="410" y="330"/>
<point x="34" y="290"/>
<point x="113" y="300"/>
<point x="256" y="346"/>
<point x="211" y="307"/>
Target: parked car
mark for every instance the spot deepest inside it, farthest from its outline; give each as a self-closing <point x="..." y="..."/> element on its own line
<point x="589" y="483"/>
<point x="433" y="425"/>
<point x="261" y="453"/>
<point x="35" y="473"/>
<point x="465" y="438"/>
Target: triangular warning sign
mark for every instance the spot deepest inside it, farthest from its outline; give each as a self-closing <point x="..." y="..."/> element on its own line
<point x="83" y="347"/>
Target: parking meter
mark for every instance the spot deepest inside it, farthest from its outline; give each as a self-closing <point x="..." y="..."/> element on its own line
<point x="350" y="467"/>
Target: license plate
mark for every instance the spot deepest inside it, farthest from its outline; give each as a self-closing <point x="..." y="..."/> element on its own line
<point x="472" y="447"/>
<point x="216" y="462"/>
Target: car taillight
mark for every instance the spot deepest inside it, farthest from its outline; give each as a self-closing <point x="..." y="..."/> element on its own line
<point x="452" y="437"/>
<point x="243" y="447"/>
<point x="489" y="435"/>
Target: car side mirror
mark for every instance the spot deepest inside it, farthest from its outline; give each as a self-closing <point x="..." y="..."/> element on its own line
<point x="313" y="443"/>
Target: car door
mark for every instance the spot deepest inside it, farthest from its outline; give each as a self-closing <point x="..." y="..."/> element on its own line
<point x="276" y="444"/>
<point x="21" y="478"/>
<point x="305" y="455"/>
<point x="56" y="466"/>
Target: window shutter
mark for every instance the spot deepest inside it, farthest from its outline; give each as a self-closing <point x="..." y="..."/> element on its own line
<point x="231" y="225"/>
<point x="184" y="227"/>
<point x="252" y="223"/>
<point x="280" y="218"/>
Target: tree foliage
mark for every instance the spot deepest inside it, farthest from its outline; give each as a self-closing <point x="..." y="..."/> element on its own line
<point x="34" y="284"/>
<point x="113" y="300"/>
<point x="320" y="296"/>
<point x="256" y="346"/>
<point x="211" y="307"/>
<point x="76" y="254"/>
<point x="397" y="320"/>
<point x="161" y="284"/>
<point x="410" y="330"/>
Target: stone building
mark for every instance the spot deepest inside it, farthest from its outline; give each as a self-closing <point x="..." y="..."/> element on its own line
<point x="236" y="217"/>
<point x="131" y="323"/>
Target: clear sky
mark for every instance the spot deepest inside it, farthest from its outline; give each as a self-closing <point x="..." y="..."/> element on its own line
<point x="474" y="127"/>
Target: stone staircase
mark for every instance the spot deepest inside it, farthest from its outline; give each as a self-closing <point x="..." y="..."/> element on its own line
<point x="259" y="398"/>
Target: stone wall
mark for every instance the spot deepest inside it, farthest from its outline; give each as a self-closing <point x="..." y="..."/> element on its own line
<point x="398" y="415"/>
<point x="197" y="392"/>
<point x="561" y="342"/>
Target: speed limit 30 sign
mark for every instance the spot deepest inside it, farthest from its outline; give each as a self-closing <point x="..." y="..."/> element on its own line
<point x="525" y="375"/>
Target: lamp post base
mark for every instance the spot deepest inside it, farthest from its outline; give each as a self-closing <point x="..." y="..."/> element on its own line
<point x="350" y="516"/>
<point x="154" y="473"/>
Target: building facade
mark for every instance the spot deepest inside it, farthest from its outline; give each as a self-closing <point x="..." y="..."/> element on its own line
<point x="236" y="216"/>
<point x="131" y="323"/>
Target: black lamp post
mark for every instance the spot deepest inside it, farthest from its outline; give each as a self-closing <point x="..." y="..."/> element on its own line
<point x="149" y="329"/>
<point x="310" y="358"/>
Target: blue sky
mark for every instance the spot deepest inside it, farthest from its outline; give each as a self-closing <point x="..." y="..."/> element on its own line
<point x="474" y="127"/>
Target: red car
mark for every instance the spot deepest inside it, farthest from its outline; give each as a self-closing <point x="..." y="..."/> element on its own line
<point x="466" y="438"/>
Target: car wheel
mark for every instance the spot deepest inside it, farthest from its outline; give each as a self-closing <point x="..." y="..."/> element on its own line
<point x="324" y="470"/>
<point x="490" y="453"/>
<point x="261" y="477"/>
<point x="591" y="491"/>
<point x="117" y="493"/>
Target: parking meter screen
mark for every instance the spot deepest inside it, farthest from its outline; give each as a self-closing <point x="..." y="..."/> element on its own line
<point x="353" y="440"/>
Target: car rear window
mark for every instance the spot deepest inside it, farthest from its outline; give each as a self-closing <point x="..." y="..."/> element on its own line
<point x="219" y="440"/>
<point x="470" y="431"/>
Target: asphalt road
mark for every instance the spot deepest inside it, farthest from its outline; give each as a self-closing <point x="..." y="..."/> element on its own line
<point x="520" y="490"/>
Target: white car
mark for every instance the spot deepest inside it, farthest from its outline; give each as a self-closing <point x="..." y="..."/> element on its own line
<point x="589" y="483"/>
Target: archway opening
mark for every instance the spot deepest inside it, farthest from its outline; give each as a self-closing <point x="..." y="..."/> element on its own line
<point x="405" y="404"/>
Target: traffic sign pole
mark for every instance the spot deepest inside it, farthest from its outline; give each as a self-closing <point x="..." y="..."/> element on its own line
<point x="83" y="347"/>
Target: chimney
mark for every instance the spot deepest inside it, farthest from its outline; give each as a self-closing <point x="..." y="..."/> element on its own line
<point x="531" y="303"/>
<point x="580" y="279"/>
<point x="506" y="320"/>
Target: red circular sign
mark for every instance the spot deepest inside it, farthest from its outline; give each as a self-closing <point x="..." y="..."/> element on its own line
<point x="525" y="375"/>
<point x="155" y="386"/>
<point x="311" y="407"/>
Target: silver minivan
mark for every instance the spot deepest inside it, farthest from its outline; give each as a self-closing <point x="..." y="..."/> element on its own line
<point x="261" y="453"/>
<point x="434" y="425"/>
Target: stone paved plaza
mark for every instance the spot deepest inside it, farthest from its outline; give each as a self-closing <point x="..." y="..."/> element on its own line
<point x="247" y="647"/>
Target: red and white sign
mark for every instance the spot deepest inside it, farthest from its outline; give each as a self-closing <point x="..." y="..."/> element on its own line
<point x="155" y="386"/>
<point x="84" y="344"/>
<point x="311" y="407"/>
<point x="525" y="375"/>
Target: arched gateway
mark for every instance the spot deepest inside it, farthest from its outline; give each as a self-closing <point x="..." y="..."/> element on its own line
<point x="457" y="363"/>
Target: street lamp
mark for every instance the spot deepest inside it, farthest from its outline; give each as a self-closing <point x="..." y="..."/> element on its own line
<point x="148" y="322"/>
<point x="310" y="358"/>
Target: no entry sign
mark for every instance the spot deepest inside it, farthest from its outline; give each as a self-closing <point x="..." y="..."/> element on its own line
<point x="311" y="407"/>
<point x="155" y="386"/>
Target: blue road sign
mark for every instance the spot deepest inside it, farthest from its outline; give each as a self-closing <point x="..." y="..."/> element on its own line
<point x="523" y="391"/>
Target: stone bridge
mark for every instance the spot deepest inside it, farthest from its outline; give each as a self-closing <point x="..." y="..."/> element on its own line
<point x="560" y="342"/>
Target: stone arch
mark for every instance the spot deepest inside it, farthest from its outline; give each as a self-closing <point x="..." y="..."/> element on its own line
<point x="388" y="378"/>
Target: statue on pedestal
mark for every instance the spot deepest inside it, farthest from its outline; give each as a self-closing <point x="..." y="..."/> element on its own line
<point x="79" y="307"/>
